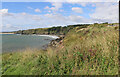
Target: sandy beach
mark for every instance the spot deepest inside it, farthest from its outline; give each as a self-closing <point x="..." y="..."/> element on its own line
<point x="6" y="33"/>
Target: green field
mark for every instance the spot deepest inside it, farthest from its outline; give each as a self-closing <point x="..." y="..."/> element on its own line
<point x="92" y="50"/>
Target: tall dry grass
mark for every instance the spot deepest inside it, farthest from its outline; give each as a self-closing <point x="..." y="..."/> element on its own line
<point x="89" y="51"/>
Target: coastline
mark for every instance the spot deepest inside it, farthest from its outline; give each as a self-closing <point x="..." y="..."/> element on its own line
<point x="52" y="36"/>
<point x="52" y="43"/>
<point x="76" y="50"/>
<point x="7" y="33"/>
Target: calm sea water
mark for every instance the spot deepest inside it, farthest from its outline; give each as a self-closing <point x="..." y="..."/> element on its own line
<point x="13" y="42"/>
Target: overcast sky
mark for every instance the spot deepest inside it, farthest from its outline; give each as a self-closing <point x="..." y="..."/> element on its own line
<point x="28" y="15"/>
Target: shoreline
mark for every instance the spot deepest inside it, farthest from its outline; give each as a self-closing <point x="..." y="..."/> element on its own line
<point x="7" y="33"/>
<point x="44" y="47"/>
<point x="52" y="36"/>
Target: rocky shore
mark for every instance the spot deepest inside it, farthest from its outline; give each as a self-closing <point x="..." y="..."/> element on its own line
<point x="57" y="41"/>
<point x="54" y="43"/>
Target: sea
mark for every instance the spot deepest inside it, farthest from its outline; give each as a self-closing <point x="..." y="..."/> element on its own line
<point x="17" y="42"/>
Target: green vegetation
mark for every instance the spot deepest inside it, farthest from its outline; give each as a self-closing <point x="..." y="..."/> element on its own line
<point x="50" y="31"/>
<point x="84" y="51"/>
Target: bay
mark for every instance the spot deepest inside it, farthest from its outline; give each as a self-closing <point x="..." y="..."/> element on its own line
<point x="14" y="42"/>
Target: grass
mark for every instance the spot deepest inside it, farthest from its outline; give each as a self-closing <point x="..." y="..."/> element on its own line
<point x="88" y="51"/>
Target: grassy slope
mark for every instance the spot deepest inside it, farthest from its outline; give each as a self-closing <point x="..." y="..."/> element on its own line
<point x="92" y="50"/>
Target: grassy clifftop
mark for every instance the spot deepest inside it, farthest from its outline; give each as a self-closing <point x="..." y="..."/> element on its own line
<point x="92" y="50"/>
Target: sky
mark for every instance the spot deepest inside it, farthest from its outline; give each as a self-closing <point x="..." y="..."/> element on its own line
<point x="30" y="15"/>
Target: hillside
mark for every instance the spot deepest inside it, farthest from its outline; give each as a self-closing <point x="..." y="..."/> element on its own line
<point x="92" y="50"/>
<point x="51" y="31"/>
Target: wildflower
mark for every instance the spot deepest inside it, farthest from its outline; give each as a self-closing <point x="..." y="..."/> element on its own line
<point x="90" y="50"/>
